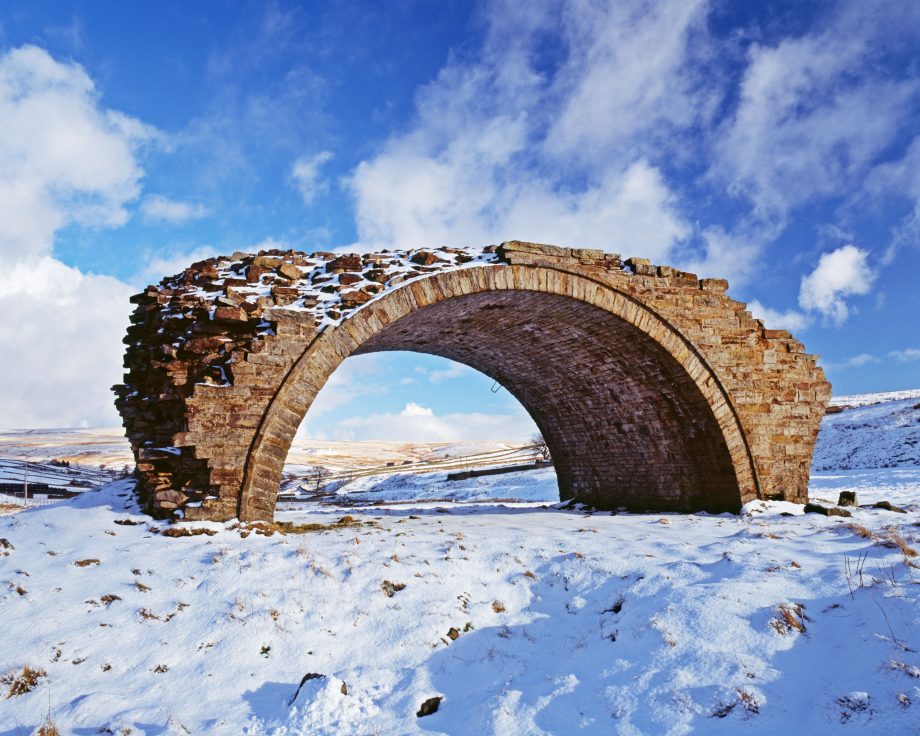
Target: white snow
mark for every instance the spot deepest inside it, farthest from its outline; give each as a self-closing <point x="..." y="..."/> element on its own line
<point x="526" y="618"/>
<point x="873" y="435"/>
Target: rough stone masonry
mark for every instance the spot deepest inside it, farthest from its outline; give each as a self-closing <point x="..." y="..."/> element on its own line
<point x="653" y="388"/>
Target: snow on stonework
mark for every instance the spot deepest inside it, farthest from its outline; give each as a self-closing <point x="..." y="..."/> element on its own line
<point x="327" y="285"/>
<point x="515" y="616"/>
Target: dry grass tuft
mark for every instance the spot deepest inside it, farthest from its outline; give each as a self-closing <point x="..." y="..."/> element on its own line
<point x="186" y="531"/>
<point x="87" y="562"/>
<point x="861" y="531"/>
<point x="908" y="669"/>
<point x="47" y="729"/>
<point x="23" y="682"/>
<point x="390" y="588"/>
<point x="498" y="606"/>
<point x="791" y="618"/>
<point x="893" y="540"/>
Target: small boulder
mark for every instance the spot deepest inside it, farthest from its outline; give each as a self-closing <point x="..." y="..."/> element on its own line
<point x="816" y="508"/>
<point x="429" y="706"/>
<point x="847" y="498"/>
<point x="887" y="506"/>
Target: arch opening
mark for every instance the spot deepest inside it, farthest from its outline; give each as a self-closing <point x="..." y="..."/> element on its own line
<point x="625" y="422"/>
<point x="391" y="425"/>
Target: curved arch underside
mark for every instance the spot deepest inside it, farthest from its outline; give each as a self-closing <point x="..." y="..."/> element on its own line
<point x="625" y="423"/>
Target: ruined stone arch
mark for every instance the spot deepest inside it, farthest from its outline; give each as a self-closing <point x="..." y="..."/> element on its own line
<point x="653" y="388"/>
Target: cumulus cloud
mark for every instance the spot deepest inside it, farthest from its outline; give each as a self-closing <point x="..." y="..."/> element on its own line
<point x="157" y="208"/>
<point x="61" y="342"/>
<point x="416" y="423"/>
<point x="64" y="159"/>
<point x="305" y="175"/>
<point x="841" y="273"/>
<point x="500" y="149"/>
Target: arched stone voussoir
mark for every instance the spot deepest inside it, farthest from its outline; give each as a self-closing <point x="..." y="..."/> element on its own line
<point x="642" y="402"/>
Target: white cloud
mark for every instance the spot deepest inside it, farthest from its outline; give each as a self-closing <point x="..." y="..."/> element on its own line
<point x="305" y="175"/>
<point x="356" y="378"/>
<point x="157" y="208"/>
<point x="492" y="152"/>
<point x="627" y="79"/>
<point x="813" y="116"/>
<point x="775" y="320"/>
<point x="841" y="273"/>
<point x="162" y="263"/>
<point x="61" y="342"/>
<point x="64" y="159"/>
<point x="905" y="356"/>
<point x="417" y="423"/>
<point x="446" y="374"/>
<point x="856" y="361"/>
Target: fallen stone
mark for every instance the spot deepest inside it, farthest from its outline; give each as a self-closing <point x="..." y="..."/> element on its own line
<point x="847" y="498"/>
<point x="887" y="506"/>
<point x="429" y="706"/>
<point x="453" y="634"/>
<point x="815" y="508"/>
<point x="304" y="680"/>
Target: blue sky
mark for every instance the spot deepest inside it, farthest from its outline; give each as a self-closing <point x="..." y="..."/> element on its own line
<point x="775" y="144"/>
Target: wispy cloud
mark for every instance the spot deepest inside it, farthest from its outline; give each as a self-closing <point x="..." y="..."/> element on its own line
<point x="157" y="208"/>
<point x="905" y="356"/>
<point x="305" y="175"/>
<point x="417" y="423"/>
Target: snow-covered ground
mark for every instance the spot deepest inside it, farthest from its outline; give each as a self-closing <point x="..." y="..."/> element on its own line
<point x="525" y="618"/>
<point x="871" y="435"/>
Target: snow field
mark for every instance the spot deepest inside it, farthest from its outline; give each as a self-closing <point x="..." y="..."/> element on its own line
<point x="568" y="622"/>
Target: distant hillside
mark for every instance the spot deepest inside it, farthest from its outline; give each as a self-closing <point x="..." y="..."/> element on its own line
<point x="876" y="431"/>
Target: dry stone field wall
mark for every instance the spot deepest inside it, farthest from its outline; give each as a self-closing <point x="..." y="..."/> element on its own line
<point x="653" y="388"/>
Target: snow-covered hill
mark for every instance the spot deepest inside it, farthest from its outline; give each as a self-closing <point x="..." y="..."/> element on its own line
<point x="881" y="433"/>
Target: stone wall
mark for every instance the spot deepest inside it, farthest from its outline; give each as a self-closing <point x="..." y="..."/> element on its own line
<point x="653" y="388"/>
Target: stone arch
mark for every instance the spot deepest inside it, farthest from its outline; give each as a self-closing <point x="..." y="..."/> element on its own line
<point x="669" y="482"/>
<point x="653" y="388"/>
